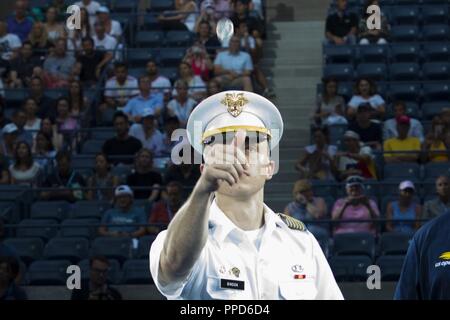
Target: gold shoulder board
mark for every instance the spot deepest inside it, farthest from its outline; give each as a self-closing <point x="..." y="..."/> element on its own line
<point x="292" y="223"/>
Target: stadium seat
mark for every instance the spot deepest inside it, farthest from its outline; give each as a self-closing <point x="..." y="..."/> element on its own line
<point x="48" y="272"/>
<point x="140" y="57"/>
<point x="15" y="97"/>
<point x="404" y="52"/>
<point x="92" y="147"/>
<point x="431" y="109"/>
<point x="122" y="171"/>
<point x="171" y="73"/>
<point x="171" y="57"/>
<point x="433" y="32"/>
<point x="434" y="14"/>
<point x="162" y="5"/>
<point x="358" y="243"/>
<point x="57" y="210"/>
<point x="433" y="170"/>
<point x="345" y="89"/>
<point x="89" y="209"/>
<point x="114" y="273"/>
<point x="73" y="249"/>
<point x="338" y="54"/>
<point x="403" y="15"/>
<point x="373" y="53"/>
<point x="178" y="38"/>
<point x="390" y="267"/>
<point x="375" y="71"/>
<point x="335" y="133"/>
<point x="436" y="71"/>
<point x="136" y="72"/>
<point x="323" y="188"/>
<point x="145" y="39"/>
<point x="34" y="228"/>
<point x="83" y="161"/>
<point x="150" y="23"/>
<point x="404" y="170"/>
<point x="128" y="6"/>
<point x="434" y="52"/>
<point x="341" y="72"/>
<point x="394" y="243"/>
<point x="323" y="238"/>
<point x="436" y="91"/>
<point x="404" y="71"/>
<point x="144" y="246"/>
<point x="73" y="228"/>
<point x="112" y="248"/>
<point x="404" y="91"/>
<point x="28" y="249"/>
<point x="350" y="268"/>
<point x="405" y="33"/>
<point x="136" y="272"/>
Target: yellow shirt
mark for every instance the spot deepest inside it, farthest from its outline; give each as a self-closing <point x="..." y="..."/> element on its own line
<point x="441" y="156"/>
<point x="395" y="144"/>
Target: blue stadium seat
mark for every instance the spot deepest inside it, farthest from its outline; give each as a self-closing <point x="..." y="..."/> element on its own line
<point x="9" y="212"/>
<point x="436" y="91"/>
<point x="48" y="272"/>
<point x="92" y="147"/>
<point x="102" y="134"/>
<point x="403" y="15"/>
<point x="394" y="243"/>
<point x="322" y="188"/>
<point x="140" y="57"/>
<point x="82" y="161"/>
<point x="171" y="57"/>
<point x="433" y="170"/>
<point x="404" y="71"/>
<point x="434" y="52"/>
<point x="431" y="109"/>
<point x="404" y="170"/>
<point x="112" y="248"/>
<point x="136" y="272"/>
<point x="114" y="274"/>
<point x="146" y="39"/>
<point x="57" y="210"/>
<point x="28" y="249"/>
<point x="72" y="228"/>
<point x="390" y="267"/>
<point x="170" y="73"/>
<point x="404" y="91"/>
<point x="136" y="72"/>
<point x="144" y="246"/>
<point x="404" y="52"/>
<point x="436" y="32"/>
<point x="434" y="14"/>
<point x="336" y="132"/>
<point x="436" y="71"/>
<point x="350" y="268"/>
<point x="323" y="238"/>
<point x="374" y="71"/>
<point x="15" y="97"/>
<point x="338" y="54"/>
<point x="178" y="38"/>
<point x="150" y="23"/>
<point x="73" y="249"/>
<point x="162" y="5"/>
<point x="373" y="53"/>
<point x="345" y="89"/>
<point x="122" y="171"/>
<point x="89" y="209"/>
<point x="405" y="33"/>
<point x="34" y="228"/>
<point x="128" y="6"/>
<point x="341" y="72"/>
<point x="358" y="243"/>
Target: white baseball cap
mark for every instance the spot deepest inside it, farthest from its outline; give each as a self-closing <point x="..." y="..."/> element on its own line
<point x="10" y="128"/>
<point x="123" y="190"/>
<point x="406" y="185"/>
<point x="102" y="9"/>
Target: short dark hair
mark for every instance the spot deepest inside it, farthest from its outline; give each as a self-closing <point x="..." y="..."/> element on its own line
<point x="120" y="114"/>
<point x="176" y="184"/>
<point x="98" y="258"/>
<point x="27" y="43"/>
<point x="88" y="39"/>
<point x="63" y="154"/>
<point x="120" y="64"/>
<point x="172" y="119"/>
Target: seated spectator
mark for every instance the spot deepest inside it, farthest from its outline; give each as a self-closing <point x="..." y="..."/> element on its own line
<point x="60" y="7"/>
<point x="20" y="119"/>
<point x="355" y="206"/>
<point x="242" y="14"/>
<point x="24" y="170"/>
<point x="440" y="204"/>
<point x="46" y="105"/>
<point x="122" y="145"/>
<point x="8" y="287"/>
<point x="181" y="106"/>
<point x="185" y="173"/>
<point x="196" y="86"/>
<point x="91" y="7"/>
<point x="213" y="88"/>
<point x="145" y="100"/>
<point x="49" y="128"/>
<point x="164" y="210"/>
<point x="43" y="149"/>
<point x="218" y="8"/>
<point x="434" y="148"/>
<point x="22" y="67"/>
<point x="234" y="67"/>
<point x="4" y="177"/>
<point x="33" y="122"/>
<point x="90" y="63"/>
<point x="148" y="134"/>
<point x="102" y="182"/>
<point x="182" y="18"/>
<point x="59" y="67"/>
<point x="357" y="159"/>
<point x="65" y="182"/>
<point x="123" y="213"/>
<point x="170" y="125"/>
<point x="306" y="206"/>
<point x="390" y="125"/>
<point x="369" y="131"/>
<point x="144" y="176"/>
<point x="403" y="142"/>
<point x="54" y="28"/>
<point x="104" y="42"/>
<point x="64" y="121"/>
<point x="20" y="23"/>
<point x="97" y="287"/>
<point x="405" y="208"/>
<point x="159" y="83"/>
<point x="9" y="43"/>
<point x="365" y="92"/>
<point x="112" y="27"/>
<point x="10" y="133"/>
<point x="120" y="88"/>
<point x="372" y="36"/>
<point x="76" y="36"/>
<point x="6" y="250"/>
<point x="38" y="38"/>
<point x="78" y="102"/>
<point x="317" y="161"/>
<point x="341" y="26"/>
<point x="330" y="105"/>
<point x="201" y="65"/>
<point x="208" y="38"/>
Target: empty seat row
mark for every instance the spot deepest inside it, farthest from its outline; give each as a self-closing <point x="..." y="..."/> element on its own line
<point x="163" y="39"/>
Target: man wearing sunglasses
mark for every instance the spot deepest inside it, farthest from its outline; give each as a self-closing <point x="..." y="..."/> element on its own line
<point x="224" y="242"/>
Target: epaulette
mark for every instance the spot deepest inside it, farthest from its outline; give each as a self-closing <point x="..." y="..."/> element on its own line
<point x="292" y="223"/>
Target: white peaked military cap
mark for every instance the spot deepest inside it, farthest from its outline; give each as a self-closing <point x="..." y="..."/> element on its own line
<point x="229" y="111"/>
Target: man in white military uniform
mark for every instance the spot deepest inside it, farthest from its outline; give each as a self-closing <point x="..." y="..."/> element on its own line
<point x="224" y="242"/>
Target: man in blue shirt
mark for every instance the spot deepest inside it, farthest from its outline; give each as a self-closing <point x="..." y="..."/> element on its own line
<point x="123" y="214"/>
<point x="144" y="101"/>
<point x="20" y="24"/>
<point x="426" y="270"/>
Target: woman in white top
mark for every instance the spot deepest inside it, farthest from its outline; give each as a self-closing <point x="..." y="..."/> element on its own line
<point x="182" y="106"/>
<point x="184" y="15"/>
<point x="366" y="92"/>
<point x="33" y="122"/>
<point x="196" y="86"/>
<point x="330" y="105"/>
<point x="24" y="171"/>
<point x="55" y="29"/>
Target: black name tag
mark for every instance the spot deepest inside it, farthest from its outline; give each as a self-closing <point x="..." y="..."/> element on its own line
<point x="231" y="284"/>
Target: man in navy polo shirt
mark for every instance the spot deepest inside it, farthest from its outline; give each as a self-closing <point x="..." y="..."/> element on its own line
<point x="19" y="23"/>
<point x="426" y="270"/>
<point x="341" y="26"/>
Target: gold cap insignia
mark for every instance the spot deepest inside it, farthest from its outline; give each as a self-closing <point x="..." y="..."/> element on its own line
<point x="234" y="103"/>
<point x="236" y="272"/>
